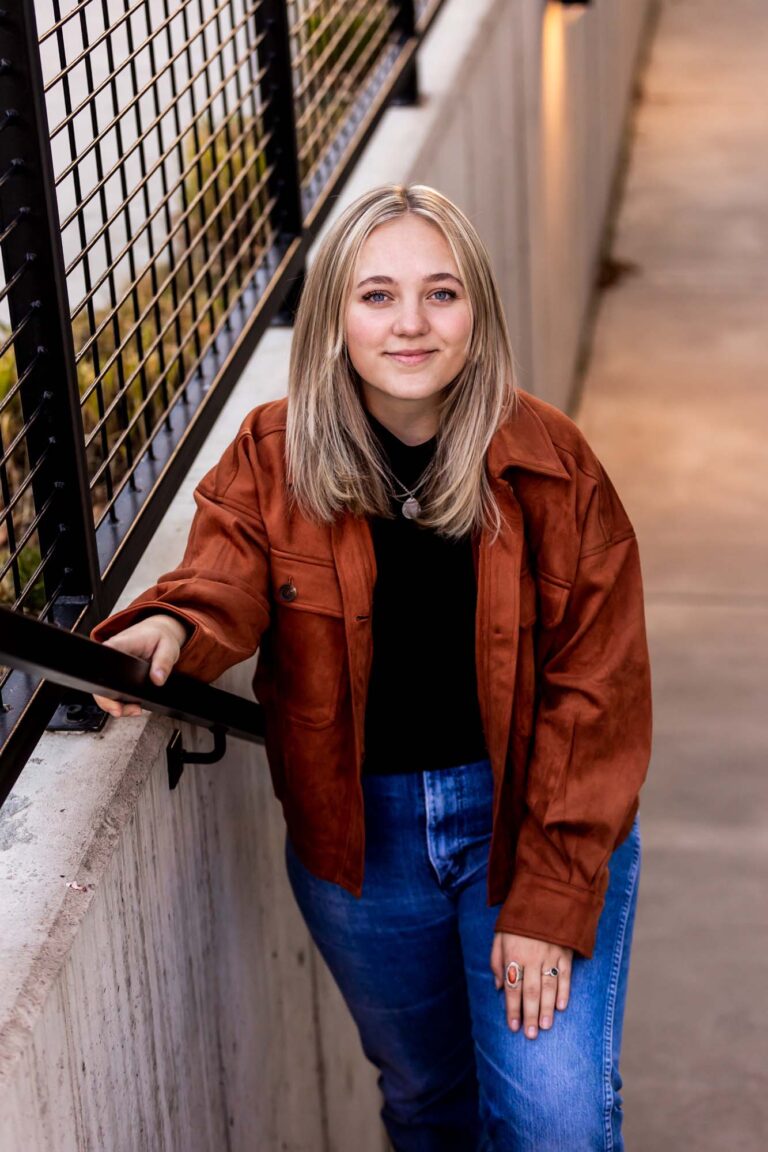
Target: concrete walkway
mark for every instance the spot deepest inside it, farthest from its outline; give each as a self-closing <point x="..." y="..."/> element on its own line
<point x="676" y="404"/>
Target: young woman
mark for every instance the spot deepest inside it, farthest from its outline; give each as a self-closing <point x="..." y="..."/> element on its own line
<point x="446" y="596"/>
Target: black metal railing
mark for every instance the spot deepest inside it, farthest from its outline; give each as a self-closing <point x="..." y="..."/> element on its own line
<point x="74" y="662"/>
<point x="164" y="167"/>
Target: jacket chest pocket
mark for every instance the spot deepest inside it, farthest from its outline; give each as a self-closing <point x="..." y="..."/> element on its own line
<point x="308" y="638"/>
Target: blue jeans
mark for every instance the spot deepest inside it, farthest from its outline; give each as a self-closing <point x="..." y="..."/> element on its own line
<point x="411" y="957"/>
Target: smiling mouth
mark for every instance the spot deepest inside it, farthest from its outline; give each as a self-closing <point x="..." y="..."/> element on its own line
<point x="411" y="357"/>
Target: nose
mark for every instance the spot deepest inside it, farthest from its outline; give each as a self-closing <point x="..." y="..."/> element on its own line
<point x="410" y="319"/>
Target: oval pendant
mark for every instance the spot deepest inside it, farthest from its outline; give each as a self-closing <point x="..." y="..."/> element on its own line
<point x="411" y="508"/>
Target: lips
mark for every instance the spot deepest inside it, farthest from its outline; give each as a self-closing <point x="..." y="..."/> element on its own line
<point x="412" y="356"/>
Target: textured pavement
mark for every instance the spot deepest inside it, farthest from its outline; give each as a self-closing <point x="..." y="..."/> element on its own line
<point x="675" y="402"/>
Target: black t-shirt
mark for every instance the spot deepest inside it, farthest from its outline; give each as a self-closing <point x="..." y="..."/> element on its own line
<point x="422" y="710"/>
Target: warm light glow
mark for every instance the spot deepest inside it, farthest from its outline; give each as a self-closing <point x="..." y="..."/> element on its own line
<point x="558" y="22"/>
<point x="558" y="19"/>
<point x="553" y="69"/>
<point x="556" y="189"/>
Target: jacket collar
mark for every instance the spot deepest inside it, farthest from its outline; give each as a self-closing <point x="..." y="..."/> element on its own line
<point x="523" y="441"/>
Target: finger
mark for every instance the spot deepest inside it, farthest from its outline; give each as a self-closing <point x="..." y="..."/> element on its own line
<point x="548" y="993"/>
<point x="513" y="1002"/>
<point x="116" y="708"/>
<point x="138" y="640"/>
<point x="563" y="984"/>
<point x="513" y="997"/>
<point x="107" y="704"/>
<point x="497" y="962"/>
<point x="531" y="1001"/>
<point x="164" y="657"/>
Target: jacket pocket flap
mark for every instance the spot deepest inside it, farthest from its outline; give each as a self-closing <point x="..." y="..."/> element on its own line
<point x="305" y="584"/>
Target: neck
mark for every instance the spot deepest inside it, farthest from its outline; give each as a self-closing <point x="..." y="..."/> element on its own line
<point x="413" y="422"/>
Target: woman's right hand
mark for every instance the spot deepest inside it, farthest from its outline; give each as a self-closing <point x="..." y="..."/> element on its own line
<point x="159" y="639"/>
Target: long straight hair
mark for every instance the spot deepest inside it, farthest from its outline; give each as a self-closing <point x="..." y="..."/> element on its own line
<point x="334" y="463"/>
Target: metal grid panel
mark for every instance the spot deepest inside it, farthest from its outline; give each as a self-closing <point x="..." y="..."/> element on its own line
<point x="158" y="139"/>
<point x="20" y="550"/>
<point x="21" y="562"/>
<point x="425" y="10"/>
<point x="341" y="53"/>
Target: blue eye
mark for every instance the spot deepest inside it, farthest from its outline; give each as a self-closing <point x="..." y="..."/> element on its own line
<point x="375" y="292"/>
<point x="444" y="294"/>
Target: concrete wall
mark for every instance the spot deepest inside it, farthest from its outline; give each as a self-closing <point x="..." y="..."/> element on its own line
<point x="173" y="1000"/>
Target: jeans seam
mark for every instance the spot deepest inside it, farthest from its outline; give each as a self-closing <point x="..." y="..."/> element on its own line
<point x="429" y="810"/>
<point x="610" y="1015"/>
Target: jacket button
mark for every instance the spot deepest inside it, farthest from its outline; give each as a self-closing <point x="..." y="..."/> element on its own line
<point x="288" y="591"/>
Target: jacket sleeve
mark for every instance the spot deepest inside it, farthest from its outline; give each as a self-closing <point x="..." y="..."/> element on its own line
<point x="220" y="588"/>
<point x="591" y="738"/>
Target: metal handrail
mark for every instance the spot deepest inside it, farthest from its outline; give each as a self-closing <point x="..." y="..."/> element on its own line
<point x="77" y="662"/>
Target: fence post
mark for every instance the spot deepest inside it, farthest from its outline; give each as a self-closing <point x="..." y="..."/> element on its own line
<point x="407" y="90"/>
<point x="35" y="292"/>
<point x="282" y="150"/>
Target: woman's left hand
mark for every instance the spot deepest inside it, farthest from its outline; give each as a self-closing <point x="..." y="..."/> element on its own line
<point x="537" y="994"/>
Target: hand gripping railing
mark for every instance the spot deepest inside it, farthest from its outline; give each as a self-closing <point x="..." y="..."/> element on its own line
<point x="77" y="662"/>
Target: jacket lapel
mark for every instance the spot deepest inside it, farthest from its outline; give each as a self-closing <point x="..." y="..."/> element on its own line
<point x="523" y="441"/>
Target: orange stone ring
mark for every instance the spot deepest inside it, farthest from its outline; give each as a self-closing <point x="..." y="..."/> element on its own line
<point x="518" y="975"/>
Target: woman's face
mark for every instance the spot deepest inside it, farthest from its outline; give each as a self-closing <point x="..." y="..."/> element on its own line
<point x="408" y="319"/>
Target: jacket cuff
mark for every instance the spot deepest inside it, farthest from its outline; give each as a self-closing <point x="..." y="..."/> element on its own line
<point x="548" y="909"/>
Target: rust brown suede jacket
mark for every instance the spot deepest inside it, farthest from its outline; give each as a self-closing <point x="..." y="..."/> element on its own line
<point x="562" y="660"/>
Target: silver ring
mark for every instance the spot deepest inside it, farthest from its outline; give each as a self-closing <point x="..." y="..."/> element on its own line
<point x="518" y="975"/>
<point x="550" y="972"/>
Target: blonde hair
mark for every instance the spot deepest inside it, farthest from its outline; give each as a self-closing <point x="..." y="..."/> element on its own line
<point x="333" y="459"/>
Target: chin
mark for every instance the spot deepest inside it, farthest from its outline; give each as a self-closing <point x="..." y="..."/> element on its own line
<point x="413" y="393"/>
<point x="412" y="389"/>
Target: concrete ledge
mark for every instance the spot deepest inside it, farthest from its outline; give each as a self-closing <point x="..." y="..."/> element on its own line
<point x="62" y="825"/>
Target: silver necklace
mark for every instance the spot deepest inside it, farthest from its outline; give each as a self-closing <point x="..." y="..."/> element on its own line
<point x="410" y="507"/>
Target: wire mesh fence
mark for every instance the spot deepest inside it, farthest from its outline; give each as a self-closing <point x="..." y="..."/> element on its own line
<point x="339" y="49"/>
<point x="19" y="545"/>
<point x="164" y="165"/>
<point x="166" y="212"/>
<point x="424" y="12"/>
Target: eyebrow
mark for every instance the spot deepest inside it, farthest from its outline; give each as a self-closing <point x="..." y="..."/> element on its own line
<point x="427" y="279"/>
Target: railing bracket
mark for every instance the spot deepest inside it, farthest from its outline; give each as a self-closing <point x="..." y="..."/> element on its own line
<point x="78" y="712"/>
<point x="178" y="756"/>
